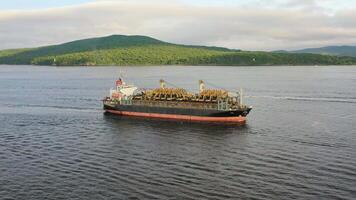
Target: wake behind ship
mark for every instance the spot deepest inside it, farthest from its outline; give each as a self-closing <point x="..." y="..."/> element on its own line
<point x="209" y="105"/>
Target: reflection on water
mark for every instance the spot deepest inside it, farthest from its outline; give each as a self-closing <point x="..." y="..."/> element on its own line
<point x="165" y="125"/>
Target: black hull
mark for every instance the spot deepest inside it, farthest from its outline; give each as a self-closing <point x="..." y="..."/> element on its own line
<point x="177" y="111"/>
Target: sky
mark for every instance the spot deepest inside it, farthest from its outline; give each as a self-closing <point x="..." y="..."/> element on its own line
<point x="239" y="24"/>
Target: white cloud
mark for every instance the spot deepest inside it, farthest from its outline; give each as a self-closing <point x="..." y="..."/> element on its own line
<point x="287" y="26"/>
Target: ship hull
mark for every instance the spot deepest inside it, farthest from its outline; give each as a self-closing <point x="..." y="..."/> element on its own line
<point x="184" y="114"/>
<point x="237" y="120"/>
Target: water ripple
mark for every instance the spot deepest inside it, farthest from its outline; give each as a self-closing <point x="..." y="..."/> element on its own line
<point x="55" y="142"/>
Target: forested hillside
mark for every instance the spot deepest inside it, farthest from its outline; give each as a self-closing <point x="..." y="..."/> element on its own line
<point x="331" y="50"/>
<point x="141" y="50"/>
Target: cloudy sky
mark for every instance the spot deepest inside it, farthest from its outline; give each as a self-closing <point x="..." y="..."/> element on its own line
<point x="240" y="24"/>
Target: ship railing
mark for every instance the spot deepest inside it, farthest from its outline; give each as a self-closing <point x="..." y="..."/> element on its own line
<point x="220" y="104"/>
<point x="223" y="105"/>
<point x="127" y="101"/>
<point x="175" y="104"/>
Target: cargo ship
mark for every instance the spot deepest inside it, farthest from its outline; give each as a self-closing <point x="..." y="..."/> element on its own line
<point x="208" y="105"/>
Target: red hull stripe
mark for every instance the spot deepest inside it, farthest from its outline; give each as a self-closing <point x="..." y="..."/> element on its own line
<point x="240" y="120"/>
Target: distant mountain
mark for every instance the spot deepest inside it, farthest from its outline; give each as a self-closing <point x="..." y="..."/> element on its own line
<point x="142" y="50"/>
<point x="331" y="50"/>
<point x="25" y="56"/>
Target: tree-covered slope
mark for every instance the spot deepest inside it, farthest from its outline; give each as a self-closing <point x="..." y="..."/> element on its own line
<point x="92" y="44"/>
<point x="178" y="55"/>
<point x="331" y="50"/>
<point x="142" y="50"/>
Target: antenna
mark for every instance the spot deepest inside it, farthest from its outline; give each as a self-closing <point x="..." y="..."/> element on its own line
<point x="123" y="76"/>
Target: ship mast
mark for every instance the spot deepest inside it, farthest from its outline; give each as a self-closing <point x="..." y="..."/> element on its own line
<point x="241" y="93"/>
<point x="201" y="86"/>
<point x="162" y="83"/>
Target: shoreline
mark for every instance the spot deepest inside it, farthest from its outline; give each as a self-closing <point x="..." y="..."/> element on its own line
<point x="174" y="65"/>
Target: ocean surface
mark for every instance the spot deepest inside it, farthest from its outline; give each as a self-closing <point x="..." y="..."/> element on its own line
<point x="299" y="141"/>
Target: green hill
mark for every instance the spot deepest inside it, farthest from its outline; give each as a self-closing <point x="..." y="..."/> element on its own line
<point x="142" y="50"/>
<point x="331" y="50"/>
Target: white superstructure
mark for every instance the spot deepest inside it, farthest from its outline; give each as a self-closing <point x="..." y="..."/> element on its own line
<point x="122" y="90"/>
